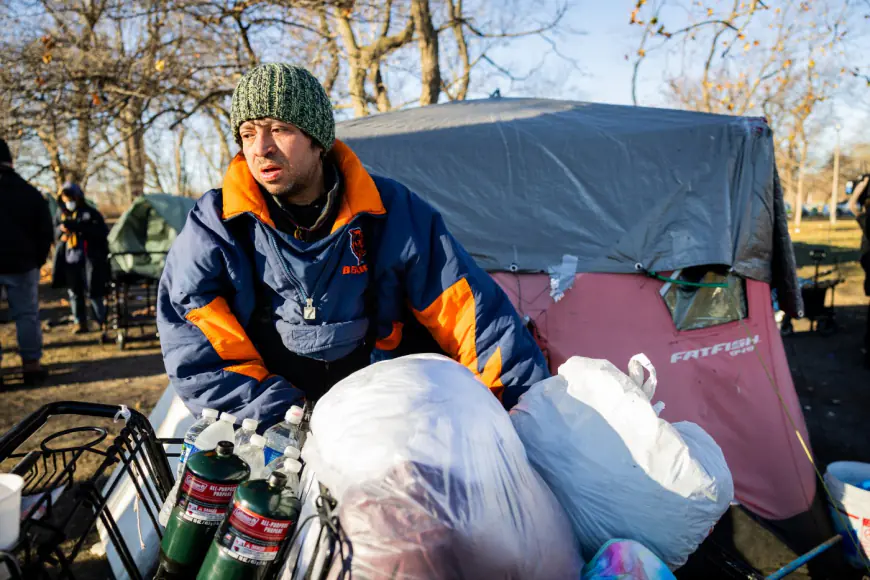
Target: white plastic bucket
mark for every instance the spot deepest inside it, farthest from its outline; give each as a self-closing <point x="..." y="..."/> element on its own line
<point x="851" y="504"/>
<point x="10" y="508"/>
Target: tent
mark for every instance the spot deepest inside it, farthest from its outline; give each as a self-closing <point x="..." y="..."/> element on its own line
<point x="577" y="210"/>
<point x="618" y="230"/>
<point x="144" y="233"/>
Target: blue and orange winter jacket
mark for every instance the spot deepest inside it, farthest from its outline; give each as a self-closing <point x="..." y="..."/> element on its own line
<point x="318" y="291"/>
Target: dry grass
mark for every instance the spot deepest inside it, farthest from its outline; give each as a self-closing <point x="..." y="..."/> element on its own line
<point x="842" y="242"/>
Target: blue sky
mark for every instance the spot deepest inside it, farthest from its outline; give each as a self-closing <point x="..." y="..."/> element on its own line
<point x="600" y="50"/>
<point x="606" y="74"/>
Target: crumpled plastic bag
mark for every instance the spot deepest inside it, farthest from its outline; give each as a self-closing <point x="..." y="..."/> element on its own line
<point x="432" y="480"/>
<point x="617" y="468"/>
<point x="626" y="560"/>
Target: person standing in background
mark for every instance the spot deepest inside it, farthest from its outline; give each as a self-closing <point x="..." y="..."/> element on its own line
<point x="859" y="203"/>
<point x="81" y="262"/>
<point x="25" y="242"/>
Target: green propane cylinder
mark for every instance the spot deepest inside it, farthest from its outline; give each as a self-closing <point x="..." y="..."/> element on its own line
<point x="209" y="480"/>
<point x="248" y="542"/>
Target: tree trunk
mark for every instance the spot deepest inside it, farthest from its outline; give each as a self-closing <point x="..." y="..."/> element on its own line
<point x="82" y="152"/>
<point x="180" y="175"/>
<point x="334" y="68"/>
<point x="382" y="97"/>
<point x="462" y="49"/>
<point x="135" y="145"/>
<point x="155" y="173"/>
<point x="798" y="213"/>
<point x="134" y="148"/>
<point x="226" y="154"/>
<point x="427" y="41"/>
<point x="357" y="69"/>
<point x="357" y="85"/>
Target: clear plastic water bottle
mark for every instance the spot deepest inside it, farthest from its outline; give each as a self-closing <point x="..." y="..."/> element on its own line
<point x="243" y="435"/>
<point x="208" y="417"/>
<point x="220" y="430"/>
<point x="166" y="508"/>
<point x="279" y="436"/>
<point x="291" y="469"/>
<point x="252" y="453"/>
<point x="277" y="464"/>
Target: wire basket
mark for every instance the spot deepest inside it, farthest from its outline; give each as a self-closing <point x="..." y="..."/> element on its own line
<point x="69" y="477"/>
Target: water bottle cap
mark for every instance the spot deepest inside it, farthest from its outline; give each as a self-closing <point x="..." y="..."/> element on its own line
<point x="210" y="413"/>
<point x="229" y="418"/>
<point x="225" y="448"/>
<point x="293" y="415"/>
<point x="277" y="480"/>
<point x="258" y="440"/>
<point x="292" y="466"/>
<point x="291" y="452"/>
<point x="250" y="424"/>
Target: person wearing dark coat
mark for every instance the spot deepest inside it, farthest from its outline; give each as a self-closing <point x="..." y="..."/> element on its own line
<point x="81" y="263"/>
<point x="25" y="242"/>
<point x="859" y="203"/>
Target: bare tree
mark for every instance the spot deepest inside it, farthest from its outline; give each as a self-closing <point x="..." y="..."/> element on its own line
<point x="781" y="59"/>
<point x="92" y="88"/>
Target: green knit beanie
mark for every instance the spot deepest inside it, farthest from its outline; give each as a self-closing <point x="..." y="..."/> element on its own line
<point x="287" y="93"/>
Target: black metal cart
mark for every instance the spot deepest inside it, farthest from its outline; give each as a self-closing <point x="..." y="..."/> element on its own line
<point x="71" y="474"/>
<point x="132" y="300"/>
<point x="68" y="478"/>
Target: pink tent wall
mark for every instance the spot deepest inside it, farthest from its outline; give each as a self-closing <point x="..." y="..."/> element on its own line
<point x="715" y="377"/>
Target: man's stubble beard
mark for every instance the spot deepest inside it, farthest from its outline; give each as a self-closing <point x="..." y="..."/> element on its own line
<point x="297" y="186"/>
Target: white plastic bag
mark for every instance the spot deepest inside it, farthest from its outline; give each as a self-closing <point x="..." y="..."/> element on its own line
<point x="432" y="480"/>
<point x="617" y="468"/>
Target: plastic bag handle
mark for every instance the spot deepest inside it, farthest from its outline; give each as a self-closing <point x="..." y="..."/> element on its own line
<point x="636" y="366"/>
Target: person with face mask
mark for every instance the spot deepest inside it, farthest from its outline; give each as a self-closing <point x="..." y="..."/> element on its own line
<point x="81" y="257"/>
<point x="304" y="267"/>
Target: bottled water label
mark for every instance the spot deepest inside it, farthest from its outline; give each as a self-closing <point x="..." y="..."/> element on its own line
<point x="271" y="454"/>
<point x="191" y="449"/>
<point x="185" y="451"/>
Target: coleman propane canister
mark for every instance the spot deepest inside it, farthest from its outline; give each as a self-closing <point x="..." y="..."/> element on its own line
<point x="260" y="521"/>
<point x="209" y="480"/>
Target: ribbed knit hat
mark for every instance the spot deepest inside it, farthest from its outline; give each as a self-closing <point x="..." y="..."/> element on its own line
<point x="287" y="93"/>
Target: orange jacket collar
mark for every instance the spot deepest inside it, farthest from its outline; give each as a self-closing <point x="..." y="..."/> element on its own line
<point x="242" y="194"/>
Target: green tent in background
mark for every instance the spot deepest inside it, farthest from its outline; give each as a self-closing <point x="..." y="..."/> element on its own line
<point x="144" y="233"/>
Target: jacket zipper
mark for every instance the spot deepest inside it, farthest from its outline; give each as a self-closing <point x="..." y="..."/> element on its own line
<point x="308" y="311"/>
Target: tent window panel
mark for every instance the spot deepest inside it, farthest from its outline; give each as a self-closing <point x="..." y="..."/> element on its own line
<point x="710" y="296"/>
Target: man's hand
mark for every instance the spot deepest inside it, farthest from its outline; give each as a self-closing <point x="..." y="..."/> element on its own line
<point x="64" y="229"/>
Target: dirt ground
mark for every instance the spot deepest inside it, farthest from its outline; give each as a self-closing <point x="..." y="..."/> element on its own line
<point x="831" y="381"/>
<point x="830" y="378"/>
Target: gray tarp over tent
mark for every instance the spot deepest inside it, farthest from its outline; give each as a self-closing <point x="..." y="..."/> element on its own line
<point x="148" y="228"/>
<point x="523" y="182"/>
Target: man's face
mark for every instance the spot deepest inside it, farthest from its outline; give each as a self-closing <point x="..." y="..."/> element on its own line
<point x="282" y="159"/>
